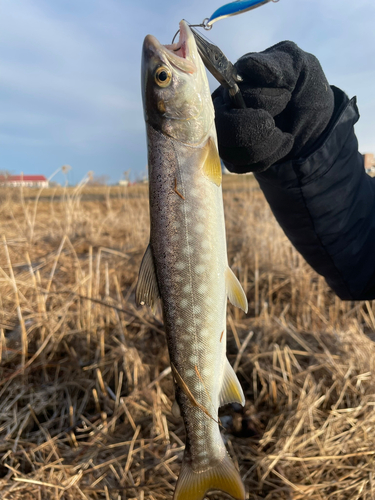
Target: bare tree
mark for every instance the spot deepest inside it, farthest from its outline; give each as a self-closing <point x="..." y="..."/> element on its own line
<point x="100" y="180"/>
<point x="5" y="173"/>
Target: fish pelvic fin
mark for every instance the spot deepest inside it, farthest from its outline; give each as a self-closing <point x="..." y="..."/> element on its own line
<point x="223" y="477"/>
<point x="147" y="291"/>
<point x="236" y="294"/>
<point x="231" y="390"/>
<point x="176" y="412"/>
<point x="212" y="164"/>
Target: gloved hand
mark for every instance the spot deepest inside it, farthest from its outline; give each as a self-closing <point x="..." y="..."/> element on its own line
<point x="289" y="104"/>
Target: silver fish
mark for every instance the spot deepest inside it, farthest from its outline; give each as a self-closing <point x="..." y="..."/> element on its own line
<point x="186" y="262"/>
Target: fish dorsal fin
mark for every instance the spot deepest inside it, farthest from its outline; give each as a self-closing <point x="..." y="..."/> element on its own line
<point x="147" y="291"/>
<point x="231" y="390"/>
<point x="236" y="294"/>
<point x="224" y="477"/>
<point x="212" y="165"/>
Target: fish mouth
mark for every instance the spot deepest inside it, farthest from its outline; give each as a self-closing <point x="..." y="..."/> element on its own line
<point x="179" y="54"/>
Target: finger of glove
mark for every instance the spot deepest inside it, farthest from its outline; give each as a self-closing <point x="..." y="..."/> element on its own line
<point x="278" y="66"/>
<point x="259" y="157"/>
<point x="274" y="101"/>
<point x="241" y="127"/>
<point x="271" y="100"/>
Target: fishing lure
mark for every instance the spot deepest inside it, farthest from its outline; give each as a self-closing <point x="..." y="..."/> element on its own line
<point x="213" y="58"/>
<point x="232" y="9"/>
<point x="228" y="10"/>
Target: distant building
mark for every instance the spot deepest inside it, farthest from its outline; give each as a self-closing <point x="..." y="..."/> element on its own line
<point x="123" y="182"/>
<point x="369" y="161"/>
<point x="37" y="181"/>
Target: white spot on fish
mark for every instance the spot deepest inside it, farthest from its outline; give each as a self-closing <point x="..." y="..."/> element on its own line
<point x="180" y="265"/>
<point x="189" y="373"/>
<point x="207" y="371"/>
<point x="176" y="224"/>
<point x="199" y="433"/>
<point x="175" y="237"/>
<point x="190" y="329"/>
<point x="206" y="256"/>
<point x="187" y="288"/>
<point x="202" y="288"/>
<point x="184" y="303"/>
<point x="188" y="250"/>
<point x="205" y="332"/>
<point x="179" y="322"/>
<point x="199" y="228"/>
<point x="204" y="461"/>
<point x="206" y="244"/>
<point x="193" y="359"/>
<point x="196" y="309"/>
<point x="200" y="269"/>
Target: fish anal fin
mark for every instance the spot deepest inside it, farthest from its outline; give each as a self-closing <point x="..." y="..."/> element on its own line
<point x="147" y="291"/>
<point x="212" y="164"/>
<point x="236" y="294"/>
<point x="231" y="390"/>
<point x="223" y="477"/>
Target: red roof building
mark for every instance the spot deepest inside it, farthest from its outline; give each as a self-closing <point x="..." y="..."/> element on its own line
<point x="369" y="162"/>
<point x="23" y="180"/>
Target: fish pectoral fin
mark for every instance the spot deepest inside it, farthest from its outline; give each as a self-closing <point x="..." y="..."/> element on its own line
<point x="224" y="477"/>
<point x="231" y="390"/>
<point x="236" y="294"/>
<point x="176" y="412"/>
<point x="147" y="291"/>
<point x="212" y="164"/>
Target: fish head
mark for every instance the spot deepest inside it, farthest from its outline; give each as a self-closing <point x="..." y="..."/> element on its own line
<point x="175" y="91"/>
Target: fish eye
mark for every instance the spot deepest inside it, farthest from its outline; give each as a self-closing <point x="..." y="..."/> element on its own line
<point x="163" y="76"/>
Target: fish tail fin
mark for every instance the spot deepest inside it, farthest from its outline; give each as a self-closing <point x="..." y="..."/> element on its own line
<point x="223" y="477"/>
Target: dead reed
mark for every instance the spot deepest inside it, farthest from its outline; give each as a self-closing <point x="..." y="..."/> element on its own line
<point x="85" y="384"/>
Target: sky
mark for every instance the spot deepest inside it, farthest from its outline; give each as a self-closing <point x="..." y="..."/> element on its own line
<point x="70" y="72"/>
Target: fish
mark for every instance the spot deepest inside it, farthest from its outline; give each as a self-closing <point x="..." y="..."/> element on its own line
<point x="185" y="266"/>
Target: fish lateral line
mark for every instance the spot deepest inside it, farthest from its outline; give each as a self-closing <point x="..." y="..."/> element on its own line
<point x="183" y="386"/>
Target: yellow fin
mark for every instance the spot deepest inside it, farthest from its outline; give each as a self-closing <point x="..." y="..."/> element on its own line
<point x="231" y="390"/>
<point x="212" y="165"/>
<point x="147" y="291"/>
<point x="224" y="477"/>
<point x="235" y="292"/>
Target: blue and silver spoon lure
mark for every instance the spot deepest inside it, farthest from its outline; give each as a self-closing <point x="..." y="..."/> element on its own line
<point x="213" y="58"/>
<point x="232" y="9"/>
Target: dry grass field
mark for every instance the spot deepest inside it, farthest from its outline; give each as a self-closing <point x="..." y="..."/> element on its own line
<point x="85" y="385"/>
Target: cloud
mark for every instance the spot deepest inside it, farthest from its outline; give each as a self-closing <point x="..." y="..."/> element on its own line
<point x="70" y="71"/>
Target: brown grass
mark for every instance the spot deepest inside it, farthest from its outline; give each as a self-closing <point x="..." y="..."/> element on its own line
<point x="85" y="383"/>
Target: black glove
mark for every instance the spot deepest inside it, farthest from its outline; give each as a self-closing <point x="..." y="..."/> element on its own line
<point x="289" y="105"/>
